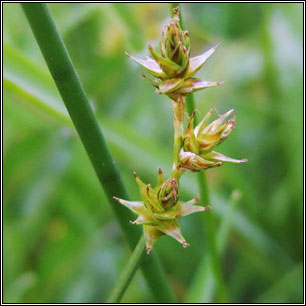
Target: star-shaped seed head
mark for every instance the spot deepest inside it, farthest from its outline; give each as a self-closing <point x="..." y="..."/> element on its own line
<point x="160" y="210"/>
<point x="172" y="68"/>
<point x="199" y="143"/>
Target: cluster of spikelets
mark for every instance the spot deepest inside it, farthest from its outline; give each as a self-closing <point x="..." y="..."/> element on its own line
<point x="160" y="210"/>
<point x="173" y="74"/>
<point x="197" y="153"/>
<point x="173" y="69"/>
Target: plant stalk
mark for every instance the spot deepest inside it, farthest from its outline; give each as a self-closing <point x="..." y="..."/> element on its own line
<point x="128" y="272"/>
<point x="178" y="123"/>
<point x="67" y="81"/>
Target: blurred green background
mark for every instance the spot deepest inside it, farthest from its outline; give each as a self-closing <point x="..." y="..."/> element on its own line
<point x="62" y="242"/>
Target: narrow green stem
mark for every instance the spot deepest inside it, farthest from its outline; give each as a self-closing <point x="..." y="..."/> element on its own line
<point x="178" y="123"/>
<point x="128" y="272"/>
<point x="70" y="88"/>
<point x="209" y="218"/>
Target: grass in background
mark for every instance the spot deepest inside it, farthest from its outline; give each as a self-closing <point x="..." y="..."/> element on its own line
<point x="61" y="240"/>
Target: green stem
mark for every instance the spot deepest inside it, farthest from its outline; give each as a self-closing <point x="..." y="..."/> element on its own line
<point x="128" y="272"/>
<point x="178" y="123"/>
<point x="208" y="219"/>
<point x="81" y="113"/>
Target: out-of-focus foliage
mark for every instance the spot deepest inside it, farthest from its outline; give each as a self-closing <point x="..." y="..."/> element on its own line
<point x="61" y="239"/>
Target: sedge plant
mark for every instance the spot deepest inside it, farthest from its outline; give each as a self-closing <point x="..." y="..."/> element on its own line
<point x="172" y="72"/>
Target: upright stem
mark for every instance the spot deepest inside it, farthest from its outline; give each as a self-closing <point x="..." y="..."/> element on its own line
<point x="128" y="272"/>
<point x="70" y="88"/>
<point x="178" y="123"/>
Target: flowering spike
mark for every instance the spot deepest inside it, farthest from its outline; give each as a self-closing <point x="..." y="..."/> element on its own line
<point x="160" y="210"/>
<point x="172" y="65"/>
<point x="173" y="75"/>
<point x="200" y="142"/>
<point x="215" y="133"/>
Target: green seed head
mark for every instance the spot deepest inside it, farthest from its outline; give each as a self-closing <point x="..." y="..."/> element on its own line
<point x="199" y="142"/>
<point x="172" y="68"/>
<point x="175" y="46"/>
<point x="172" y="72"/>
<point x="160" y="210"/>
